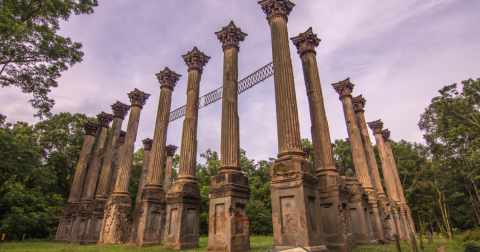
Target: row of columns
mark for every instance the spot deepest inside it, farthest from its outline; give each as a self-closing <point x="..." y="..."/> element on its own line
<point x="312" y="205"/>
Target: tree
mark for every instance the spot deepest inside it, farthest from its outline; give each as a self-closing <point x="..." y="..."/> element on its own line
<point x="32" y="54"/>
<point x="343" y="156"/>
<point x="60" y="139"/>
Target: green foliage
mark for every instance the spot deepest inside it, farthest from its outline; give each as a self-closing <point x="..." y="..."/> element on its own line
<point x="343" y="157"/>
<point x="32" y="54"/>
<point x="472" y="246"/>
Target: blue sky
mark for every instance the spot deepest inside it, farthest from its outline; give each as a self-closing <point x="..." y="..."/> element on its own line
<point x="398" y="53"/>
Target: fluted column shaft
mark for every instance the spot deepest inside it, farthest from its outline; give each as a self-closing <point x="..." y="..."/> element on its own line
<point x="386" y="168"/>
<point x="188" y="152"/>
<point x="230" y="134"/>
<point x="157" y="162"/>
<point x="356" y="144"/>
<point x="168" y="173"/>
<point x="370" y="154"/>
<point x="126" y="159"/>
<point x="288" y="126"/>
<point x="398" y="182"/>
<point x="143" y="174"/>
<point x="76" y="191"/>
<point x="93" y="168"/>
<point x="109" y="161"/>
<point x="322" y="145"/>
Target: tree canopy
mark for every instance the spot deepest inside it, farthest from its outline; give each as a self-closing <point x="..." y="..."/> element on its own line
<point x="32" y="54"/>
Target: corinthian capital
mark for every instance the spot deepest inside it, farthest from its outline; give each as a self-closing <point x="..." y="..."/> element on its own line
<point x="343" y="88"/>
<point x="120" y="109"/>
<point x="168" y="78"/>
<point x="358" y="103"/>
<point x="195" y="59"/>
<point x="147" y="144"/>
<point x="376" y="126"/>
<point x="138" y="98"/>
<point x="171" y="149"/>
<point x="386" y="135"/>
<point x="90" y="128"/>
<point x="104" y="119"/>
<point x="230" y="35"/>
<point x="272" y="7"/>
<point x="306" y="41"/>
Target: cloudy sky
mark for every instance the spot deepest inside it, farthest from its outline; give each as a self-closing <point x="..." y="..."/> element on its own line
<point x="398" y="53"/>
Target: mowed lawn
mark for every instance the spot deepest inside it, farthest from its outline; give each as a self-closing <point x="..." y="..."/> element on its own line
<point x="257" y="243"/>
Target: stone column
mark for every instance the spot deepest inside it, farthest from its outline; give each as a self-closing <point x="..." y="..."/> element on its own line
<point x="183" y="198"/>
<point x="116" y="163"/>
<point x="382" y="224"/>
<point x="66" y="217"/>
<point x="344" y="89"/>
<point x="405" y="210"/>
<point x="229" y="190"/>
<point x="80" y="217"/>
<point x="168" y="168"/>
<point x="358" y="204"/>
<point x="148" y="231"/>
<point x="115" y="223"/>
<point x="388" y="177"/>
<point x="332" y="195"/>
<point x="95" y="209"/>
<point x="295" y="201"/>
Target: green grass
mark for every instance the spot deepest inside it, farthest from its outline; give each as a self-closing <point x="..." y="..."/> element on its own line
<point x="404" y="245"/>
<point x="257" y="243"/>
<point x="454" y="245"/>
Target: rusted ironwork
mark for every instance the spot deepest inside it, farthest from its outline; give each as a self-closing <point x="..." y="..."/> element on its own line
<point x="246" y="83"/>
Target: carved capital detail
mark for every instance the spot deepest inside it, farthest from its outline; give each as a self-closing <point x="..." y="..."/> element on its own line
<point x="386" y="135"/>
<point x="171" y="150"/>
<point x="104" y="119"/>
<point x="195" y="59"/>
<point x="120" y="109"/>
<point x="168" y="78"/>
<point x="147" y="143"/>
<point x="358" y="103"/>
<point x="376" y="126"/>
<point x="230" y="35"/>
<point x="90" y="128"/>
<point x="138" y="98"/>
<point x="272" y="7"/>
<point x="306" y="41"/>
<point x="344" y="88"/>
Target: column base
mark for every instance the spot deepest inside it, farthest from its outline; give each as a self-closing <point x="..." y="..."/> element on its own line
<point x="229" y="226"/>
<point x="183" y="219"/>
<point x="374" y="215"/>
<point x="333" y="204"/>
<point x="115" y="223"/>
<point x="95" y="213"/>
<point x="295" y="205"/>
<point x="148" y="219"/>
<point x="65" y="223"/>
<point x="386" y="218"/>
<point x="79" y="222"/>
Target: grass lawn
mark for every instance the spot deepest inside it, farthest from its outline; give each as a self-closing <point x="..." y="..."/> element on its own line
<point x="257" y="243"/>
<point x="404" y="245"/>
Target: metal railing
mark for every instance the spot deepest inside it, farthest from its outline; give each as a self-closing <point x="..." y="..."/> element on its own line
<point x="244" y="84"/>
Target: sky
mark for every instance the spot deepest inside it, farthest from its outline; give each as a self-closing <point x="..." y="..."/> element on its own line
<point x="398" y="53"/>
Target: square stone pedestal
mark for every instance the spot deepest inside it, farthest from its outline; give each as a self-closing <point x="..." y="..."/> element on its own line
<point x="65" y="223"/>
<point x="334" y="204"/>
<point x="115" y="223"/>
<point x="95" y="213"/>
<point x="183" y="218"/>
<point x="358" y="209"/>
<point x="397" y="219"/>
<point x="79" y="222"/>
<point x="148" y="219"/>
<point x="386" y="218"/>
<point x="374" y="214"/>
<point x="295" y="205"/>
<point x="229" y="226"/>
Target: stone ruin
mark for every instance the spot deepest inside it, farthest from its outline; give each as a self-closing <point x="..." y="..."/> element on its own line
<point x="313" y="205"/>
